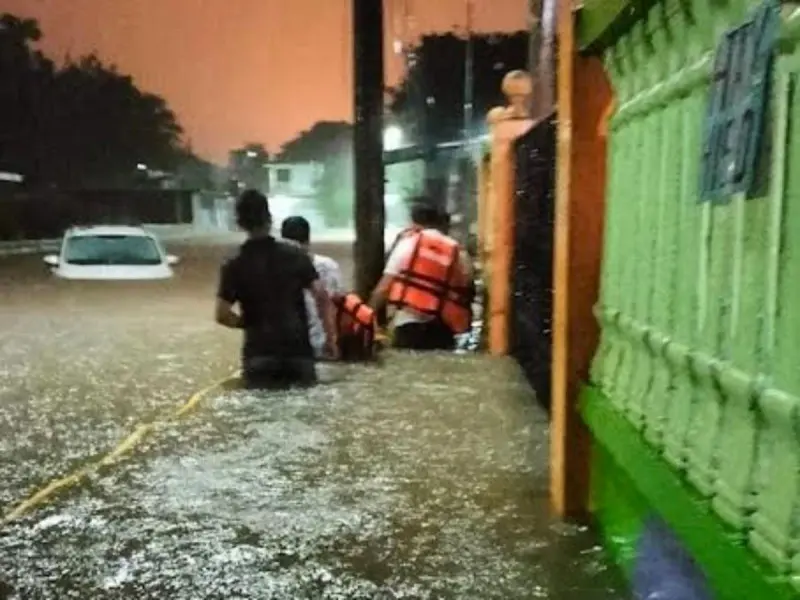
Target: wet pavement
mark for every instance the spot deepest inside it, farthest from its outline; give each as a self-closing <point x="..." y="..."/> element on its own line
<point x="424" y="477"/>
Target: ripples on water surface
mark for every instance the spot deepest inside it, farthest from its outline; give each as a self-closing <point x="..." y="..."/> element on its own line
<point x="72" y="385"/>
<point x="426" y="479"/>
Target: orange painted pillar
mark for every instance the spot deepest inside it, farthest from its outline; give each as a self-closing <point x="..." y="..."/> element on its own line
<point x="506" y="125"/>
<point x="584" y="105"/>
<point x="501" y="232"/>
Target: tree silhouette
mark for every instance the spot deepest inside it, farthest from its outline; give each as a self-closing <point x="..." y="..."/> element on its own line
<point x="429" y="102"/>
<point x="26" y="80"/>
<point x="317" y="143"/>
<point x="196" y="173"/>
<point x="84" y="124"/>
<point x="105" y="127"/>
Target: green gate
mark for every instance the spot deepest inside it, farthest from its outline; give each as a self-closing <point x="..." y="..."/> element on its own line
<point x="700" y="301"/>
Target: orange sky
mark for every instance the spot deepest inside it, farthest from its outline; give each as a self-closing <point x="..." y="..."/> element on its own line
<point x="242" y="70"/>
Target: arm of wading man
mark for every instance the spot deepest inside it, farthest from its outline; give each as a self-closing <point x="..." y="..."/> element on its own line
<point x="311" y="280"/>
<point x="377" y="299"/>
<point x="333" y="280"/>
<point x="227" y="297"/>
<point x="326" y="314"/>
<point x="226" y="316"/>
<point x="335" y="290"/>
<point x="394" y="265"/>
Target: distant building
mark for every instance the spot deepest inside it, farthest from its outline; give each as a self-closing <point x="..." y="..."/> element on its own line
<point x="294" y="189"/>
<point x="297" y="180"/>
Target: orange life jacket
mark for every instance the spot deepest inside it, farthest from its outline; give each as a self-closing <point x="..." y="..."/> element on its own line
<point x="432" y="281"/>
<point x="355" y="326"/>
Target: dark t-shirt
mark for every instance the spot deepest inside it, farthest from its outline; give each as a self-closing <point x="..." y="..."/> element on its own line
<point x="267" y="279"/>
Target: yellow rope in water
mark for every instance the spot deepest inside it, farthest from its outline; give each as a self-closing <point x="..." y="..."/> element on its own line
<point x="62" y="484"/>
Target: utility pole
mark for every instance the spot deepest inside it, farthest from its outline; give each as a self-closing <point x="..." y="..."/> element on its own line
<point x="544" y="71"/>
<point x="468" y="77"/>
<point x="369" y="210"/>
<point x="416" y="91"/>
<point x="535" y="39"/>
<point x="467" y="193"/>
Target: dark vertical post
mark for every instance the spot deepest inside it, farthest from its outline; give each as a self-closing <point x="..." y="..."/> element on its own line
<point x="535" y="37"/>
<point x="468" y="75"/>
<point x="368" y="143"/>
<point x="545" y="75"/>
<point x="466" y="196"/>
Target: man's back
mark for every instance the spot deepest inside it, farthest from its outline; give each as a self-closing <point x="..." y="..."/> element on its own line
<point x="401" y="255"/>
<point x="267" y="278"/>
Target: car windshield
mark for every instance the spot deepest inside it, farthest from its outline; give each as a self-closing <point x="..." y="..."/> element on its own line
<point x="125" y="250"/>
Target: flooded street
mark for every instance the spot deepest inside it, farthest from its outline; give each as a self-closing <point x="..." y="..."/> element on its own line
<point x="81" y="364"/>
<point x="423" y="477"/>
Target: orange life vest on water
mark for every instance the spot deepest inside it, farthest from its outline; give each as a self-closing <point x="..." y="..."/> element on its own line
<point x="356" y="327"/>
<point x="432" y="281"/>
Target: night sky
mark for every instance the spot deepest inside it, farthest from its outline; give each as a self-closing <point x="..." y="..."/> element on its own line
<point x="243" y="70"/>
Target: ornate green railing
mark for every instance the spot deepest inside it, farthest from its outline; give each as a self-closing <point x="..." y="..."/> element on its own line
<point x="700" y="302"/>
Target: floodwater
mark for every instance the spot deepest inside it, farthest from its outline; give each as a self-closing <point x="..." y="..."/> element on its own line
<point x="423" y="477"/>
<point x="81" y="365"/>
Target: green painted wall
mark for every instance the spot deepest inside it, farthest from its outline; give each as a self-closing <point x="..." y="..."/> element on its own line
<point x="632" y="483"/>
<point x="700" y="303"/>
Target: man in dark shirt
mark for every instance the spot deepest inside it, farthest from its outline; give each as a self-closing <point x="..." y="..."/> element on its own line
<point x="266" y="279"/>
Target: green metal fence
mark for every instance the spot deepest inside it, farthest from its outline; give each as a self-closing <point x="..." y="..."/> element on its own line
<point x="700" y="302"/>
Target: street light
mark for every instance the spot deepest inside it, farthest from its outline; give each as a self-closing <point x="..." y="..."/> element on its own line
<point x="392" y="137"/>
<point x="141" y="167"/>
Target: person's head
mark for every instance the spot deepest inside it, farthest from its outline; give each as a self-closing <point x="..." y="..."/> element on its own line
<point x="297" y="230"/>
<point x="252" y="212"/>
<point x="424" y="213"/>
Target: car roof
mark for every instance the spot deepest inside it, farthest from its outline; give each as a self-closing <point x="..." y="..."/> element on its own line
<point x="107" y="230"/>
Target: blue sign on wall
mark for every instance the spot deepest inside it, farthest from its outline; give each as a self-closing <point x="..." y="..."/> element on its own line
<point x="736" y="104"/>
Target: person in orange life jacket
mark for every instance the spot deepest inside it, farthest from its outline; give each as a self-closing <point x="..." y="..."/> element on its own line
<point x="297" y="230"/>
<point x="266" y="280"/>
<point x="427" y="278"/>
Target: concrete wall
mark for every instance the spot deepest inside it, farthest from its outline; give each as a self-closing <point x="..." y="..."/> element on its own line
<point x="294" y="179"/>
<point x="213" y="212"/>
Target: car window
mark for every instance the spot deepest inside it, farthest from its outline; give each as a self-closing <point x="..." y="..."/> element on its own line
<point x="128" y="250"/>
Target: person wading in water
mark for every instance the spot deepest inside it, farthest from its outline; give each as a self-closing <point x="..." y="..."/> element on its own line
<point x="297" y="230"/>
<point x="354" y="319"/>
<point x="428" y="280"/>
<point x="261" y="292"/>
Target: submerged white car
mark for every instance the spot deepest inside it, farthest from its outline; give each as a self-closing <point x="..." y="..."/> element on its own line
<point x="111" y="253"/>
